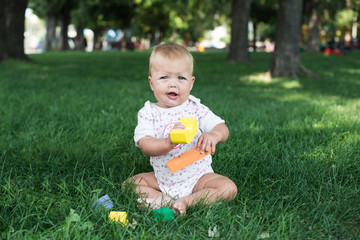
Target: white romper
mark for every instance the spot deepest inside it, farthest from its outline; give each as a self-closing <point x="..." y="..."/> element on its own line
<point x="157" y="122"/>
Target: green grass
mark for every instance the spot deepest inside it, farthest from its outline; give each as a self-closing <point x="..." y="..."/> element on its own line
<point x="66" y="139"/>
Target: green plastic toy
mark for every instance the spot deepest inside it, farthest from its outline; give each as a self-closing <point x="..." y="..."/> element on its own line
<point x="163" y="214"/>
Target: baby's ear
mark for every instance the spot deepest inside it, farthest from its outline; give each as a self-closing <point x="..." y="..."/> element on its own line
<point x="149" y="78"/>
<point x="192" y="82"/>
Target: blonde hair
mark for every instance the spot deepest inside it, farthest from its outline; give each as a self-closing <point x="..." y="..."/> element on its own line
<point x="171" y="51"/>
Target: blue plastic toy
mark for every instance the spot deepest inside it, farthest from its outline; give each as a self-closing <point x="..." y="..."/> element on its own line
<point x="104" y="202"/>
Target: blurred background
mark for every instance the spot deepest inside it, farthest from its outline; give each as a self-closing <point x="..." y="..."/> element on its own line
<point x="115" y="25"/>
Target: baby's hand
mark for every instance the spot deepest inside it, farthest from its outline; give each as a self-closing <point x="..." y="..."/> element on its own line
<point x="178" y="125"/>
<point x="207" y="140"/>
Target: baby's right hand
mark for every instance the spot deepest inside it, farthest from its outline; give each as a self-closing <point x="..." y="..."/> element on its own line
<point x="177" y="125"/>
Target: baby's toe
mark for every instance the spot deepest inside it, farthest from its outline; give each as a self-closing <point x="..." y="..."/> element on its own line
<point x="180" y="207"/>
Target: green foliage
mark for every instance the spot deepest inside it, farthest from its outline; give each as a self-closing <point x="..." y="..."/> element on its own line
<point x="330" y="9"/>
<point x="264" y="11"/>
<point x="265" y="31"/>
<point x="345" y="17"/>
<point x="153" y="15"/>
<point x="187" y="18"/>
<point x="192" y="16"/>
<point x="43" y="7"/>
<point x="66" y="139"/>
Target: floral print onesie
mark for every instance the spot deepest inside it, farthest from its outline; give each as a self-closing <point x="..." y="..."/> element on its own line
<point x="157" y="122"/>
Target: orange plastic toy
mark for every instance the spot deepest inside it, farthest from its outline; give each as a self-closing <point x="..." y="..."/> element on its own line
<point x="185" y="159"/>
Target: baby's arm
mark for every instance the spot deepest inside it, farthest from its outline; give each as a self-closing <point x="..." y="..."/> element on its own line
<point x="219" y="134"/>
<point x="156" y="147"/>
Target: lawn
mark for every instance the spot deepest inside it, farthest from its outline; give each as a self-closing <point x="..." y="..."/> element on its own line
<point x="66" y="139"/>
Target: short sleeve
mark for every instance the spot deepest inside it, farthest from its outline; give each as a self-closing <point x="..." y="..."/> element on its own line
<point x="207" y="119"/>
<point x="144" y="127"/>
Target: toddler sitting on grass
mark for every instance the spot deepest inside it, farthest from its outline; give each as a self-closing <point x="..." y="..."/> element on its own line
<point x="171" y="79"/>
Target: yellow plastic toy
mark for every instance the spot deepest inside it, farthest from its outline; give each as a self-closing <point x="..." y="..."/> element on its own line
<point x="184" y="135"/>
<point x="121" y="217"/>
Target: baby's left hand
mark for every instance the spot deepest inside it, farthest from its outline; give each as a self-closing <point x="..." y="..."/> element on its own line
<point x="207" y="140"/>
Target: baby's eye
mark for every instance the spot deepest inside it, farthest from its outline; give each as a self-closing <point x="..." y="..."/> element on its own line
<point x="163" y="77"/>
<point x="181" y="78"/>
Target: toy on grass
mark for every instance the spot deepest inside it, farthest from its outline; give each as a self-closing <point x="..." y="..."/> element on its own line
<point x="120" y="217"/>
<point x="104" y="202"/>
<point x="185" y="159"/>
<point x="184" y="135"/>
<point x="333" y="51"/>
<point x="163" y="214"/>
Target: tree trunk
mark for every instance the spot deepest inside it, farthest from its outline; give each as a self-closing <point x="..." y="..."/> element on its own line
<point x="239" y="31"/>
<point x="313" y="44"/>
<point x="12" y="22"/>
<point x="80" y="39"/>
<point x="286" y="57"/>
<point x="64" y="23"/>
<point x="156" y="37"/>
<point x="254" y="36"/>
<point x="97" y="44"/>
<point x="2" y="31"/>
<point x="50" y="38"/>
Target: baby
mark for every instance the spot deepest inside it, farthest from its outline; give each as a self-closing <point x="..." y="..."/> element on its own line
<point x="171" y="79"/>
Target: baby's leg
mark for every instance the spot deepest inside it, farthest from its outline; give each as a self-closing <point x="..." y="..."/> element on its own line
<point x="146" y="185"/>
<point x="210" y="188"/>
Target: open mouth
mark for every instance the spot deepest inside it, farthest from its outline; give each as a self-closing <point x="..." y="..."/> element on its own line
<point x="172" y="95"/>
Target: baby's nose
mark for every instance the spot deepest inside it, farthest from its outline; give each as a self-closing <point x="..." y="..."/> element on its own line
<point x="172" y="83"/>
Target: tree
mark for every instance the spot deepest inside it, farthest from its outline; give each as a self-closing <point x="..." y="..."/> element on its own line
<point x="79" y="18"/>
<point x="264" y="12"/>
<point x="50" y="37"/>
<point x="153" y="18"/>
<point x="99" y="16"/>
<point x="286" y="60"/>
<point x="338" y="17"/>
<point x="12" y="26"/>
<point x="239" y="31"/>
<point x="65" y="9"/>
<point x="49" y="10"/>
<point x="193" y="18"/>
<point x="52" y="10"/>
<point x="2" y="30"/>
<point x="188" y="19"/>
<point x="311" y="9"/>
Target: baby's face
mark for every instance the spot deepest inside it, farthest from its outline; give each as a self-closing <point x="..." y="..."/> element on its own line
<point x="171" y="81"/>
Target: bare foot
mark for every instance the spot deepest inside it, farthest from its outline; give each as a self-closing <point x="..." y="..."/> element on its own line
<point x="180" y="206"/>
<point x="155" y="203"/>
